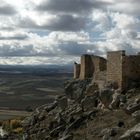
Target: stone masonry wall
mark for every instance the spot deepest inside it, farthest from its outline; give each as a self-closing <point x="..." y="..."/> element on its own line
<point x="90" y="65"/>
<point x="76" y="70"/>
<point x="99" y="76"/>
<point x="131" y="69"/>
<point x="123" y="69"/>
<point x="114" y="67"/>
<point x="87" y="67"/>
<point x="103" y="64"/>
<point x="99" y="63"/>
<point x="118" y="68"/>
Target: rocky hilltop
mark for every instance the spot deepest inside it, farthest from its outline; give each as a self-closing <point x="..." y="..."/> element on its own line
<point x="87" y="113"/>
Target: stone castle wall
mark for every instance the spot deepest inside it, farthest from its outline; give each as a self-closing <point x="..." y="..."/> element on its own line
<point x="76" y="70"/>
<point x="90" y="65"/>
<point x="131" y="69"/>
<point x="87" y="67"/>
<point x="122" y="69"/>
<point x="114" y="67"/>
<point x="118" y="68"/>
<point x="99" y="63"/>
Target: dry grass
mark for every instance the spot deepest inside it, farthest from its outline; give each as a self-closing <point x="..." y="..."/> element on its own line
<point x="13" y="125"/>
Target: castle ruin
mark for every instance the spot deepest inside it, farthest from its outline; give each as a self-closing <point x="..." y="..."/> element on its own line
<point x="119" y="68"/>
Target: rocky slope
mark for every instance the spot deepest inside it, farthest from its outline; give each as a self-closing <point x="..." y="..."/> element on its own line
<point x="87" y="113"/>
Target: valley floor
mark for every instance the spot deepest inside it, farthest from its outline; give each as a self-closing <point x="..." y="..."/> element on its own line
<point x="11" y="114"/>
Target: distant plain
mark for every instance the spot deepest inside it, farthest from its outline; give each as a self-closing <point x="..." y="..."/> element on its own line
<point x="26" y="91"/>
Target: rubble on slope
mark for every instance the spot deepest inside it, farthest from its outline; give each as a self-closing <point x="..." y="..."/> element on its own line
<point x="104" y="114"/>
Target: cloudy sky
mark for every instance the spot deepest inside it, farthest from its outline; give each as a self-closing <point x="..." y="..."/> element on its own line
<point x="59" y="31"/>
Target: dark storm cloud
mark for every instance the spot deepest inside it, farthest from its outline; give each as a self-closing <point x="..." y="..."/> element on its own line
<point x="65" y="10"/>
<point x="66" y="23"/>
<point x="7" y="10"/>
<point x="61" y="23"/>
<point x="70" y="6"/>
<point x="27" y="23"/>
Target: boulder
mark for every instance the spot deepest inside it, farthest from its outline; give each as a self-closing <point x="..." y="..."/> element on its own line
<point x="132" y="134"/>
<point x="105" y="96"/>
<point x="75" y="125"/>
<point x="62" y="103"/>
<point x="136" y="114"/>
<point x="89" y="102"/>
<point x="130" y="93"/>
<point x="75" y="89"/>
<point x="51" y="106"/>
<point x="111" y="85"/>
<point x="91" y="88"/>
<point x="55" y="132"/>
<point x="29" y="121"/>
<point x="117" y="99"/>
<point x="109" y="133"/>
<point x="132" y="107"/>
<point x="67" y="137"/>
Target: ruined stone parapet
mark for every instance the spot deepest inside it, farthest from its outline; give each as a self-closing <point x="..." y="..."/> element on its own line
<point x="90" y="65"/>
<point x="87" y="67"/>
<point x="76" y="70"/>
<point x="99" y="63"/>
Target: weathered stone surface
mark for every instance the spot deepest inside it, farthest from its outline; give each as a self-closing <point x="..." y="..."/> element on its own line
<point x="105" y="96"/>
<point x="89" y="102"/>
<point x="109" y="133"/>
<point x="51" y="106"/>
<point x="130" y="93"/>
<point x="132" y="134"/>
<point x="55" y="132"/>
<point x="117" y="99"/>
<point x="75" y="89"/>
<point x="91" y="88"/>
<point x="62" y="103"/>
<point x="29" y="121"/>
<point x="133" y="107"/>
<point x="76" y="124"/>
<point x="120" y="68"/>
<point x="85" y="70"/>
<point x="79" y="113"/>
<point x="136" y="115"/>
<point x="111" y="85"/>
<point x="67" y="137"/>
<point x="76" y="70"/>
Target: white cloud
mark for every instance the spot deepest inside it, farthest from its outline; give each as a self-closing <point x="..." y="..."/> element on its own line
<point x="37" y="60"/>
<point x="45" y="31"/>
<point x="101" y="18"/>
<point x="126" y="6"/>
<point x="124" y="21"/>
